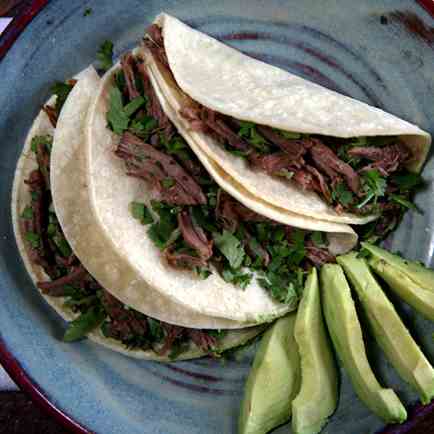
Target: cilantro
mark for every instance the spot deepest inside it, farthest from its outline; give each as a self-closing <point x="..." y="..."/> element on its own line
<point x="116" y="116"/>
<point x="134" y="105"/>
<point x="61" y="90"/>
<point x="279" y="234"/>
<point x="41" y="140"/>
<point x="140" y="212"/>
<point x="33" y="238"/>
<point x="34" y="195"/>
<point x="237" y="277"/>
<point x="84" y="324"/>
<point x="120" y="81"/>
<point x="62" y="245"/>
<point x="168" y="182"/>
<point x="403" y="202"/>
<point x="374" y="186"/>
<point x="284" y="288"/>
<point x="105" y="55"/>
<point x="163" y="231"/>
<point x="142" y="127"/>
<point x="27" y="214"/>
<point x="51" y="229"/>
<point x="249" y="132"/>
<point x="230" y="247"/>
<point x="256" y="248"/>
<point x="318" y="238"/>
<point x="289" y="135"/>
<point x="203" y="272"/>
<point x="342" y="195"/>
<point x="177" y="349"/>
<point x="87" y="12"/>
<point x="217" y="333"/>
<point x="202" y="218"/>
<point x="407" y="181"/>
<point x="155" y="329"/>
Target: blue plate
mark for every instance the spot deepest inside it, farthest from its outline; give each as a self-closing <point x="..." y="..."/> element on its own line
<point x="377" y="51"/>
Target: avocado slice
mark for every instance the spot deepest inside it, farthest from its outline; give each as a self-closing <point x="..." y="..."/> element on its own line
<point x="273" y="381"/>
<point x="388" y="329"/>
<point x="421" y="275"/>
<point x="419" y="298"/>
<point x="346" y="333"/>
<point x="318" y="394"/>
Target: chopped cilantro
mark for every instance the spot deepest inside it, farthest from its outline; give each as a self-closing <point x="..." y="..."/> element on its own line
<point x="203" y="272"/>
<point x="202" y="217"/>
<point x="231" y="248"/>
<point x="33" y="238"/>
<point x="285" y="173"/>
<point x="61" y="90"/>
<point x="155" y="329"/>
<point x="134" y="105"/>
<point x="285" y="288"/>
<point x="143" y="126"/>
<point x="289" y="135"/>
<point x="168" y="182"/>
<point x="407" y="181"/>
<point x="27" y="214"/>
<point x="105" y="55"/>
<point x="237" y="277"/>
<point x="140" y="212"/>
<point x="342" y="195"/>
<point x="248" y="131"/>
<point x="403" y="201"/>
<point x="41" y="140"/>
<point x="84" y="324"/>
<point x="51" y="229"/>
<point x="116" y="116"/>
<point x="34" y="195"/>
<point x="364" y="253"/>
<point x="162" y="231"/>
<point x="318" y="238"/>
<point x="87" y="12"/>
<point x="62" y="245"/>
<point x="374" y="186"/>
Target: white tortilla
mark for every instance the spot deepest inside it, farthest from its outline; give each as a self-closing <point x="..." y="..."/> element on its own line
<point x="229" y="82"/>
<point x="21" y="198"/>
<point x="341" y="237"/>
<point x="88" y="240"/>
<point x="112" y="191"/>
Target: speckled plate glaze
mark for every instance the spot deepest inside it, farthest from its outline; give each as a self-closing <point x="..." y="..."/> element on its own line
<point x="378" y="51"/>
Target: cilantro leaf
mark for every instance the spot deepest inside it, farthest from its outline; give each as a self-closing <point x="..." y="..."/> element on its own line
<point x="143" y="126"/>
<point x="116" y="116"/>
<point x="84" y="324"/>
<point x="41" y="140"/>
<point x="403" y="202"/>
<point x="61" y="90"/>
<point x="374" y="186"/>
<point x="162" y="231"/>
<point x="155" y="329"/>
<point x="105" y="55"/>
<point x="140" y="212"/>
<point x="27" y="213"/>
<point x="407" y="181"/>
<point x="87" y="12"/>
<point x="134" y="105"/>
<point x="237" y="277"/>
<point x="342" y="195"/>
<point x="249" y="132"/>
<point x="33" y="238"/>
<point x="318" y="238"/>
<point x="231" y="248"/>
<point x="289" y="135"/>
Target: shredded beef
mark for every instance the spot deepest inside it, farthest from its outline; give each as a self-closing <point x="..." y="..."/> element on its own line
<point x="296" y="148"/>
<point x="155" y="43"/>
<point x="57" y="287"/>
<point x="183" y="260"/>
<point x="202" y="340"/>
<point x="128" y="64"/>
<point x="271" y="163"/>
<point x="172" y="333"/>
<point x="321" y="185"/>
<point x="131" y="148"/>
<point x="51" y="113"/>
<point x="319" y="256"/>
<point x="387" y="159"/>
<point x="329" y="162"/>
<point x="194" y="235"/>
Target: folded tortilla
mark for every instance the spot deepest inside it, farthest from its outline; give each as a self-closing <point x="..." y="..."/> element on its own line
<point x="229" y="82"/>
<point x="112" y="191"/>
<point x="94" y="250"/>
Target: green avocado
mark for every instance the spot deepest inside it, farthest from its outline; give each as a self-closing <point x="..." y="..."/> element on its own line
<point x="273" y="381"/>
<point x="419" y="298"/>
<point x="422" y="276"/>
<point x="388" y="329"/>
<point x="346" y="333"/>
<point x="318" y="394"/>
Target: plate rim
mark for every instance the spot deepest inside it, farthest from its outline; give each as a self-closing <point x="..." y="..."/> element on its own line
<point x="12" y="366"/>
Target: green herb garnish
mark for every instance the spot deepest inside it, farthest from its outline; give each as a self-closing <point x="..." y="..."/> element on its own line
<point x="84" y="324"/>
<point x="27" y="214"/>
<point x="141" y="212"/>
<point x="105" y="55"/>
<point x="231" y="248"/>
<point x="34" y="239"/>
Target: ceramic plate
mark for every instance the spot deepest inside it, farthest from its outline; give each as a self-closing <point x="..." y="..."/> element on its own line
<point x="380" y="52"/>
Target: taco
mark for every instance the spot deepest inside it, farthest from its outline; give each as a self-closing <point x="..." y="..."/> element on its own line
<point x="45" y="209"/>
<point x="292" y="143"/>
<point x="219" y="251"/>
